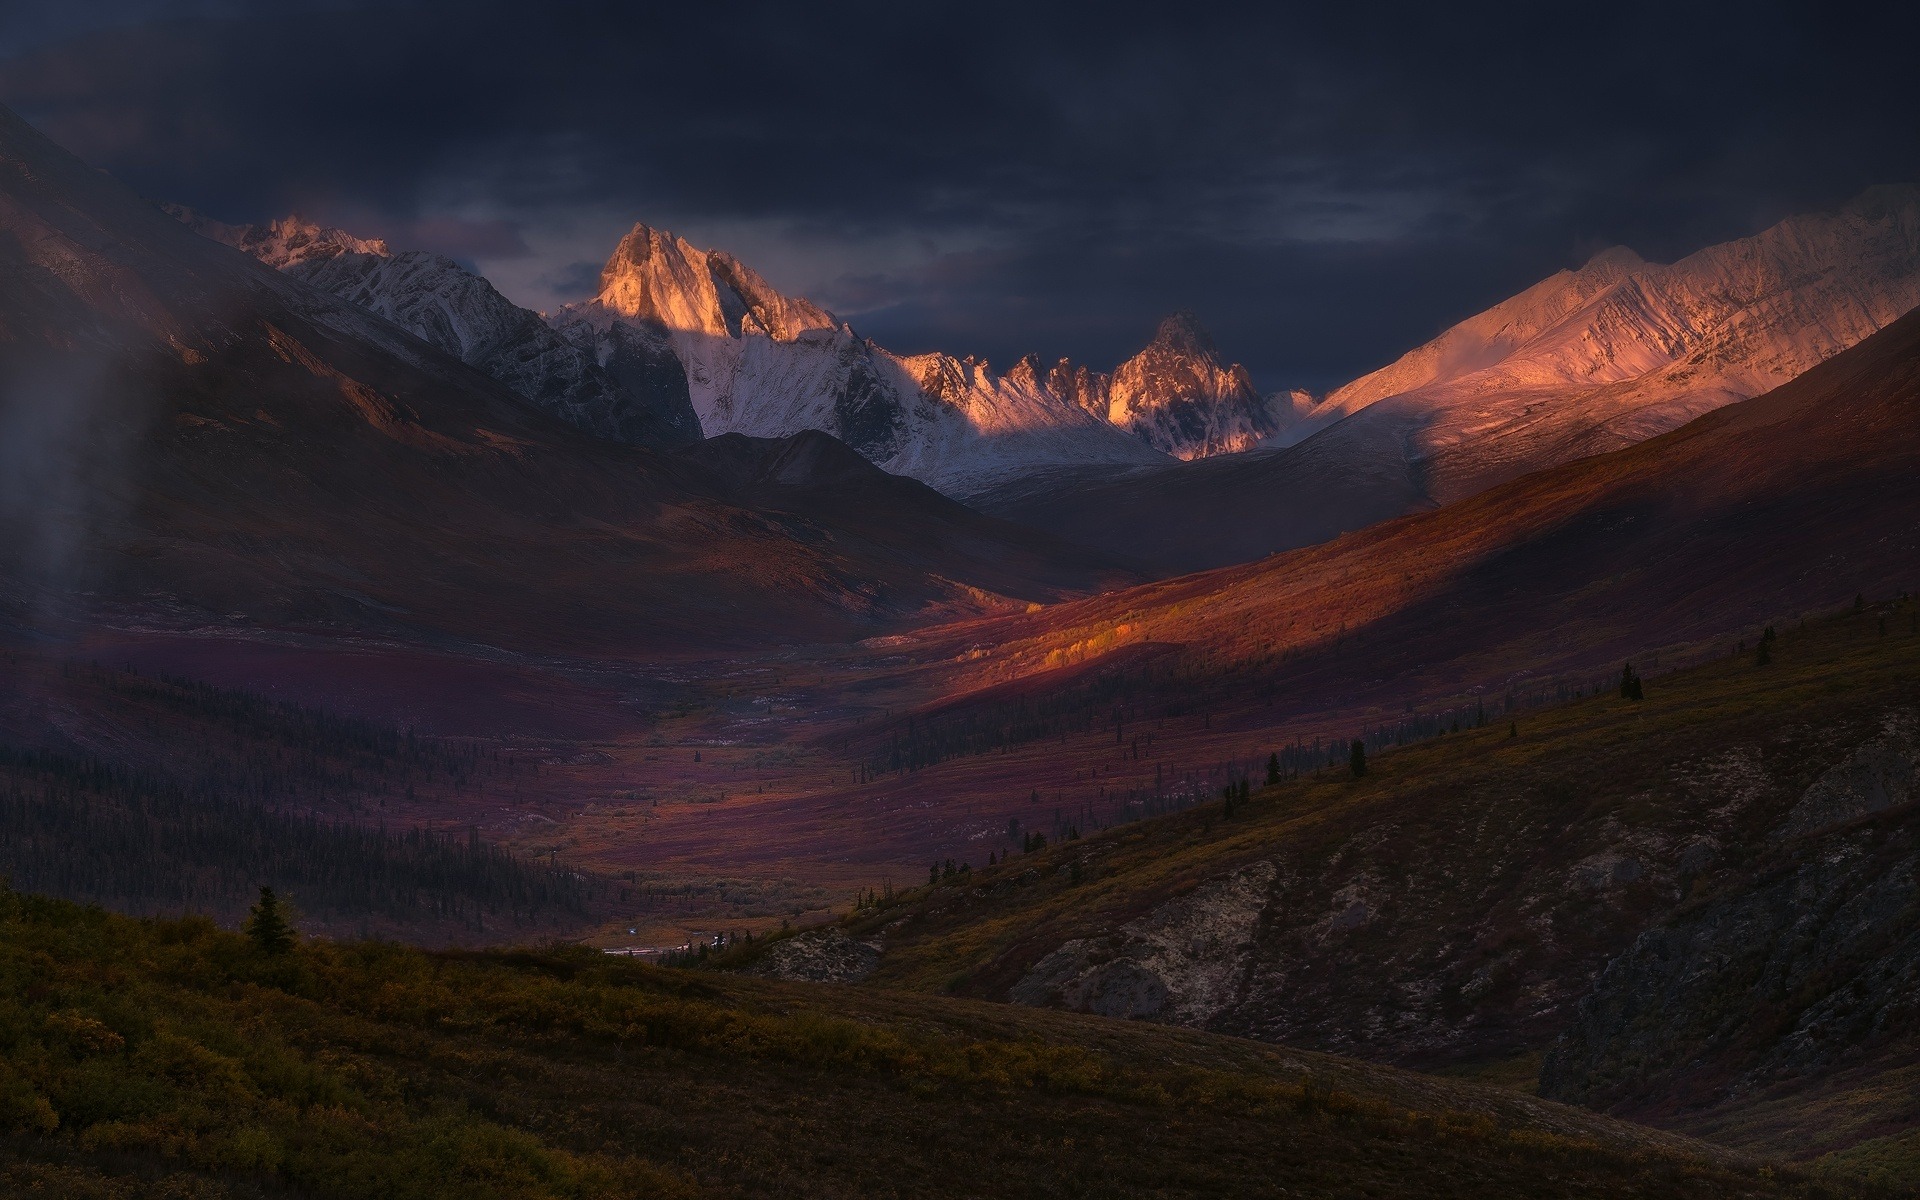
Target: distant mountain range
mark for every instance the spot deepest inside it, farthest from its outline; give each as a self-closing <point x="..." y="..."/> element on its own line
<point x="1586" y="361"/>
<point x="681" y="343"/>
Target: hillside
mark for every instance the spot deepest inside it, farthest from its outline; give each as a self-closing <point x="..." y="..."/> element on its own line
<point x="167" y="1058"/>
<point x="1696" y="907"/>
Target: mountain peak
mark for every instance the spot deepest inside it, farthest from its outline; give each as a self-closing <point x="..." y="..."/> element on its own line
<point x="661" y="279"/>
<point x="1181" y="331"/>
<point x="1618" y="258"/>
<point x="1180" y="399"/>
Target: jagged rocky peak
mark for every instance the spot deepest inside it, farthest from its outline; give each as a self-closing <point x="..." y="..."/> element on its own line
<point x="657" y="277"/>
<point x="1179" y="398"/>
<point x="1181" y="333"/>
<point x="1081" y="386"/>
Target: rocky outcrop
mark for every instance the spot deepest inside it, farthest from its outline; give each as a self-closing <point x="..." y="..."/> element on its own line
<point x="1878" y="776"/>
<point x="1815" y="968"/>
<point x="820" y="956"/>
<point x="1182" y="963"/>
<point x="1811" y="961"/>
<point x="1485" y="944"/>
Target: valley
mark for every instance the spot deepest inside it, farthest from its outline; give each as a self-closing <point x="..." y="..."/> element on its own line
<point x="672" y="744"/>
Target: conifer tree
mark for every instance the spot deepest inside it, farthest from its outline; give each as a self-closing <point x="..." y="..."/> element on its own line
<point x="1273" y="769"/>
<point x="1357" y="758"/>
<point x="1630" y="686"/>
<point x="267" y="924"/>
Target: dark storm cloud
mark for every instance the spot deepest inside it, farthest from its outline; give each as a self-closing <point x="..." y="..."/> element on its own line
<point x="1324" y="186"/>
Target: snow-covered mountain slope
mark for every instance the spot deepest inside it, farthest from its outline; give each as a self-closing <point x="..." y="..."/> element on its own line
<point x="682" y="343"/>
<point x="1584" y="362"/>
<point x="1621" y="350"/>
<point x="766" y="365"/>
<point x="635" y="392"/>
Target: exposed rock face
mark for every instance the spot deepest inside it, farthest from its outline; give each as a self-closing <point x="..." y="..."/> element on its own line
<point x="1349" y="938"/>
<point x="1877" y="776"/>
<point x="1815" y="968"/>
<point x="1180" y="399"/>
<point x="823" y="956"/>
<point x="1182" y="963"/>
<point x="628" y="387"/>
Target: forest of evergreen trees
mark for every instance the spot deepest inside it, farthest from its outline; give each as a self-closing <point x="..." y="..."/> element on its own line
<point x="81" y="829"/>
<point x="219" y="792"/>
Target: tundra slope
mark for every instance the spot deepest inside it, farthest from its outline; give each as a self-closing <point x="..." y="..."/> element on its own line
<point x="170" y="1058"/>
<point x="1697" y="907"/>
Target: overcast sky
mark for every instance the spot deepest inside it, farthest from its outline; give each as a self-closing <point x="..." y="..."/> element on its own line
<point x="1324" y="185"/>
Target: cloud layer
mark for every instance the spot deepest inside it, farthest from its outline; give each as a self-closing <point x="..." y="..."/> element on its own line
<point x="1324" y="187"/>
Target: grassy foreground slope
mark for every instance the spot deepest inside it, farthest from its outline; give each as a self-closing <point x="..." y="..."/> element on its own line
<point x="169" y="1058"/>
<point x="1456" y="907"/>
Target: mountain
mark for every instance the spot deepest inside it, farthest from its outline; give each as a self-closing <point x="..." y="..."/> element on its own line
<point x="681" y="342"/>
<point x="765" y="365"/>
<point x="1669" y="550"/>
<point x="1179" y="398"/>
<point x="816" y="477"/>
<point x="1620" y="349"/>
<point x="636" y="395"/>
<point x="194" y="439"/>
<point x="1779" y="504"/>
<point x="1586" y="361"/>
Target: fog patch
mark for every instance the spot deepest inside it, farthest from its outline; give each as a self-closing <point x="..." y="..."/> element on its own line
<point x="69" y="427"/>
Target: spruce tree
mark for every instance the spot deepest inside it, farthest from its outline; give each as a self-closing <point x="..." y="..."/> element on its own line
<point x="1630" y="686"/>
<point x="1273" y="769"/>
<point x="267" y="924"/>
<point x="1357" y="758"/>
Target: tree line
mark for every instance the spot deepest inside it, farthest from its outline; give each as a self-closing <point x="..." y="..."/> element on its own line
<point x="80" y="828"/>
